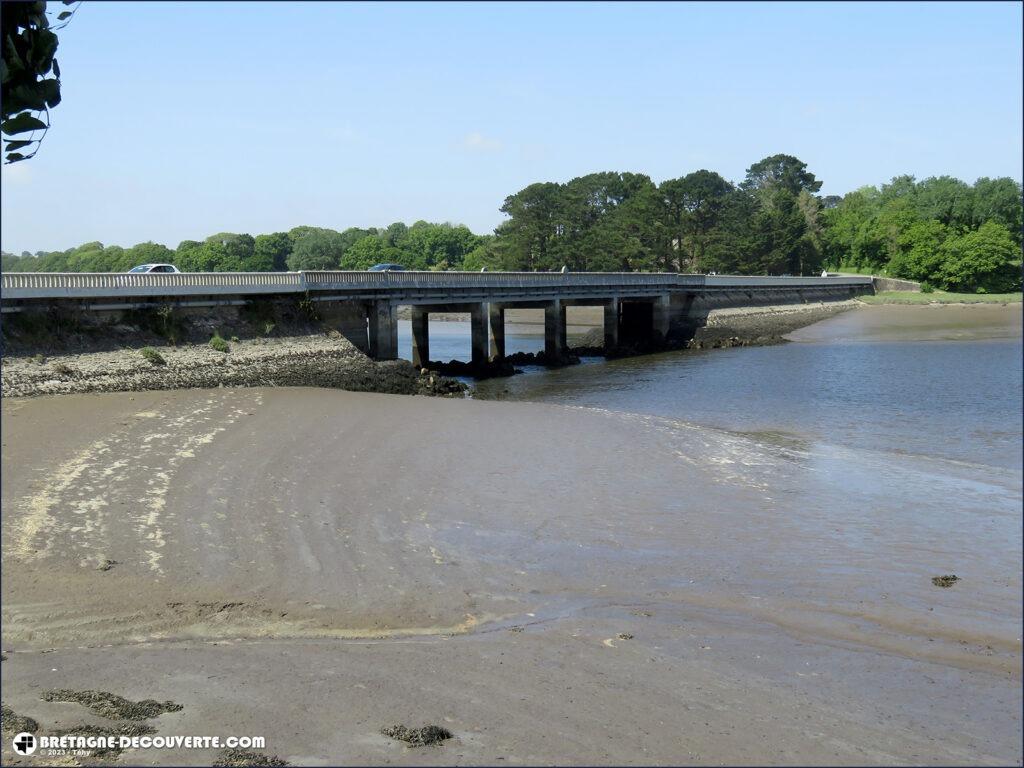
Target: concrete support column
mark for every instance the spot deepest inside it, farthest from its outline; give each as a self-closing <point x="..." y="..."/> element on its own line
<point x="496" y="321"/>
<point x="383" y="331"/>
<point x="554" y="329"/>
<point x="478" y="332"/>
<point x="611" y="324"/>
<point x="661" y="317"/>
<point x="420" y="338"/>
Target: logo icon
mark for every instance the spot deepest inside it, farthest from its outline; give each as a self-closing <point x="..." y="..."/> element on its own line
<point x="25" y="744"/>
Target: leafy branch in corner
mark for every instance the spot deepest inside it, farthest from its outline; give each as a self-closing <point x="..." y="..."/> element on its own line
<point x="29" y="51"/>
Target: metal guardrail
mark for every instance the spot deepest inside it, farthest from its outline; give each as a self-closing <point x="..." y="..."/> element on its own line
<point x="41" y="285"/>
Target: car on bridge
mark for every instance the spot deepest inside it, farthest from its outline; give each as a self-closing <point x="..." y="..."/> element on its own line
<point x="386" y="268"/>
<point x="149" y="268"/>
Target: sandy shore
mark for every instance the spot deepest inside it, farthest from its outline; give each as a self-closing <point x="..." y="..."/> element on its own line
<point x="554" y="585"/>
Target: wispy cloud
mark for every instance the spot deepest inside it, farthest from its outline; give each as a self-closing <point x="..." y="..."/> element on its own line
<point x="477" y="142"/>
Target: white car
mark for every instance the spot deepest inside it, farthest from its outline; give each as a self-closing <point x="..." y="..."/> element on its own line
<point x="164" y="268"/>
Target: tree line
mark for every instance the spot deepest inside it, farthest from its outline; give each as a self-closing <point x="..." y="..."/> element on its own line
<point x="940" y="230"/>
<point x="422" y="246"/>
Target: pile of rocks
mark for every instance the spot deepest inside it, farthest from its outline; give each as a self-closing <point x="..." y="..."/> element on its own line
<point x="325" y="360"/>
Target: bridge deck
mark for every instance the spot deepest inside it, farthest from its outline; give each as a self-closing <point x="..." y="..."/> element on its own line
<point x="409" y="287"/>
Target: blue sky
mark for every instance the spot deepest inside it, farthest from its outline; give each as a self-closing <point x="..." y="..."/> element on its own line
<point x="180" y="120"/>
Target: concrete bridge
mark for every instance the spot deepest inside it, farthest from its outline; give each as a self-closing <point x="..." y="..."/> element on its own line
<point x="362" y="305"/>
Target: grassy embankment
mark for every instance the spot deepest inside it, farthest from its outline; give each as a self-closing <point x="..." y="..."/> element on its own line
<point x="941" y="297"/>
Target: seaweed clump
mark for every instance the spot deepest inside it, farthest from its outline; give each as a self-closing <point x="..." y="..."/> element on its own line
<point x="112" y="706"/>
<point x="426" y="736"/>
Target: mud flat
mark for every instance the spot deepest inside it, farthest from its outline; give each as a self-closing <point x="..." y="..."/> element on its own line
<point x="929" y="322"/>
<point x="550" y="584"/>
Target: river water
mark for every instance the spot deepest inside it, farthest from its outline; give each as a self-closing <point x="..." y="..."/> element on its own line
<point x="885" y="443"/>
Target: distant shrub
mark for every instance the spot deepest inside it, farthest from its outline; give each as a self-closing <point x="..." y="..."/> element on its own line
<point x="152" y="356"/>
<point x="986" y="258"/>
<point x="219" y="344"/>
<point x="38" y="359"/>
<point x="927" y="288"/>
<point x="234" y="339"/>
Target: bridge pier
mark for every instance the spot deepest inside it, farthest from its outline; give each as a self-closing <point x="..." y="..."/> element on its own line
<point x="383" y="331"/>
<point x="611" y="324"/>
<point x="496" y="321"/>
<point x="478" y="314"/>
<point x="554" y="329"/>
<point x="661" y="317"/>
<point x="420" y="337"/>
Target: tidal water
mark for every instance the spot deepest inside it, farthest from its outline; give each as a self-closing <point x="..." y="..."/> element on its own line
<point x="884" y="443"/>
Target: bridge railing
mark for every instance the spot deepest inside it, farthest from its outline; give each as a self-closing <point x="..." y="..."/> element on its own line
<point x="414" y="280"/>
<point x="753" y="281"/>
<point x="27" y="285"/>
<point x="115" y="280"/>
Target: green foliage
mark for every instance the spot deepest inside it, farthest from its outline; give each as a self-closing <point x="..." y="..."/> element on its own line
<point x="693" y="207"/>
<point x="986" y="260"/>
<point x="152" y="356"/>
<point x="317" y="249"/>
<point x="931" y="231"/>
<point x="927" y="288"/>
<point x="29" y="48"/>
<point x="998" y="200"/>
<point x="370" y="250"/>
<point x="918" y="255"/>
<point x="780" y="172"/>
<point x="219" y="344"/>
<point x="623" y="221"/>
<point x="422" y="246"/>
<point x="271" y="252"/>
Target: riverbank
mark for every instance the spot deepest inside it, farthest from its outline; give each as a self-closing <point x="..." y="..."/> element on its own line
<point x="761" y="326"/>
<point x="313" y="359"/>
<point x="595" y="587"/>
<point x="56" y="356"/>
<point x="941" y="297"/>
<point x="918" y="322"/>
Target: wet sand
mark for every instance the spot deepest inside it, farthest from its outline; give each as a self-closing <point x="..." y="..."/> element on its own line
<point x="313" y="565"/>
<point x="938" y="322"/>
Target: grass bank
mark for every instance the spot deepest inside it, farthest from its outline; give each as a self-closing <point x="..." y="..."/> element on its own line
<point x="941" y="297"/>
